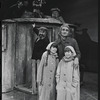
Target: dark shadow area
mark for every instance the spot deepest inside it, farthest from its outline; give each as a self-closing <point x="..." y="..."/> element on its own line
<point x="89" y="50"/>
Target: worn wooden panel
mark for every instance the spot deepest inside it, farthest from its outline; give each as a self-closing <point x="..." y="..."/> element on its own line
<point x="8" y="56"/>
<point x="20" y="53"/>
<point x="33" y="76"/>
<point x="24" y="45"/>
<point x="4" y="36"/>
<point x="49" y="34"/>
<point x="35" y="20"/>
<point x="56" y="31"/>
<point x="30" y="40"/>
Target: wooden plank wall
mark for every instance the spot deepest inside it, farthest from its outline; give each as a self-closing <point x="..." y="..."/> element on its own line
<point x="8" y="58"/>
<point x="16" y="58"/>
<point x="24" y="42"/>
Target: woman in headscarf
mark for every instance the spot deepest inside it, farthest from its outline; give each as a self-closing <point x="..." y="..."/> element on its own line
<point x="65" y="39"/>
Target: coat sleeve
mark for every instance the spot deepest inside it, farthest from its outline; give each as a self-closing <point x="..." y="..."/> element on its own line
<point x="41" y="68"/>
<point x="36" y="30"/>
<point x="58" y="72"/>
<point x="75" y="77"/>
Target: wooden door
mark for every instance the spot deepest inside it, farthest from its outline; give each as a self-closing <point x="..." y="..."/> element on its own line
<point x="24" y="40"/>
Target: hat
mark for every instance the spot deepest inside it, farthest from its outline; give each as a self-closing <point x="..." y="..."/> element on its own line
<point x="49" y="45"/>
<point x="55" y="9"/>
<point x="65" y="25"/>
<point x="42" y="28"/>
<point x="71" y="48"/>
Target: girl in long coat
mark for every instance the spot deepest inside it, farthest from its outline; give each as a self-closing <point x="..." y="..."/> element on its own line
<point x="67" y="77"/>
<point x="46" y="73"/>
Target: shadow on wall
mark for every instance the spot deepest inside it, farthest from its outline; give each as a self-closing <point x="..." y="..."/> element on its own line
<point x="89" y="51"/>
<point x="92" y="62"/>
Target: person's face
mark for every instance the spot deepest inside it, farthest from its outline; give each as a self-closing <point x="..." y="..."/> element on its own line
<point x="68" y="54"/>
<point x="53" y="49"/>
<point x="55" y="14"/>
<point x="42" y="34"/>
<point x="64" y="31"/>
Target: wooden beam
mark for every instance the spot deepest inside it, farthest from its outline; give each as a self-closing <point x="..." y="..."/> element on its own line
<point x="24" y="89"/>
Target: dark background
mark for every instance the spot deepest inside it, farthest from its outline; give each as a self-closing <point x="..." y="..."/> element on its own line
<point x="84" y="12"/>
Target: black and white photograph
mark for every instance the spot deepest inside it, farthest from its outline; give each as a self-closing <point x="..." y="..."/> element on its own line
<point x="49" y="49"/>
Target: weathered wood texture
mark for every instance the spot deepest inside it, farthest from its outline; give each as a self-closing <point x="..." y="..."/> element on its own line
<point x="35" y="20"/>
<point x="23" y="52"/>
<point x="17" y="66"/>
<point x="8" y="58"/>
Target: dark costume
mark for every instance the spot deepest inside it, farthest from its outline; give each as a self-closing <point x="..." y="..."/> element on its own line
<point x="39" y="48"/>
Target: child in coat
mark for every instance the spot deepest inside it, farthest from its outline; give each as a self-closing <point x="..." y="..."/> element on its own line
<point x="67" y="77"/>
<point x="46" y="73"/>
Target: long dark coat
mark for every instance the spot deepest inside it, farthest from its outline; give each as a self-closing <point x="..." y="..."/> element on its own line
<point x="39" y="48"/>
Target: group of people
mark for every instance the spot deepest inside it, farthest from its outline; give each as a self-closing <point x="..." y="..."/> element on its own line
<point x="24" y="10"/>
<point x="58" y="75"/>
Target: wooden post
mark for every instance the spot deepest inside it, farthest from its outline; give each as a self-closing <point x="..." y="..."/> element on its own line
<point x="38" y="62"/>
<point x="33" y="76"/>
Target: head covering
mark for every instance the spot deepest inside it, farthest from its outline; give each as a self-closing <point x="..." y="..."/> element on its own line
<point x="71" y="48"/>
<point x="48" y="49"/>
<point x="65" y="25"/>
<point x="55" y="9"/>
<point x="42" y="28"/>
<point x="49" y="45"/>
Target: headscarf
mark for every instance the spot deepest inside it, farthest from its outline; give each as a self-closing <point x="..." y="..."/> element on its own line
<point x="73" y="51"/>
<point x="65" y="25"/>
<point x="71" y="48"/>
<point x="49" y="45"/>
<point x="48" y="51"/>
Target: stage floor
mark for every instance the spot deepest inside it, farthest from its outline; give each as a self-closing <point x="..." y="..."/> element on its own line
<point x="89" y="91"/>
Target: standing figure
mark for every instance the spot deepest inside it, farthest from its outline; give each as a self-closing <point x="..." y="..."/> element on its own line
<point x="84" y="42"/>
<point x="27" y="9"/>
<point x="67" y="77"/>
<point x="56" y="14"/>
<point x="40" y="43"/>
<point x="65" y="39"/>
<point x="46" y="73"/>
<point x="39" y="48"/>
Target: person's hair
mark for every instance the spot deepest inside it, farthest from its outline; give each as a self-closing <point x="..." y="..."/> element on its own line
<point x="67" y="50"/>
<point x="48" y="52"/>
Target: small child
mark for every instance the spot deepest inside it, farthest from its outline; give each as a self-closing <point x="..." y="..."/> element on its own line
<point x="67" y="77"/>
<point x="46" y="73"/>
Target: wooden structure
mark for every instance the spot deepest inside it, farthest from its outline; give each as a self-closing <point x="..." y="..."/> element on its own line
<point x="17" y="43"/>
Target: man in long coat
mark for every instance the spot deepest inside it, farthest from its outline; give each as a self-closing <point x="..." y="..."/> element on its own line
<point x="39" y="47"/>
